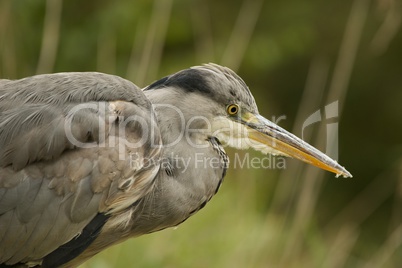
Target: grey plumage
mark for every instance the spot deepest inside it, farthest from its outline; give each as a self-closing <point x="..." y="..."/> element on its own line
<point x="49" y="188"/>
<point x="40" y="105"/>
<point x="88" y="160"/>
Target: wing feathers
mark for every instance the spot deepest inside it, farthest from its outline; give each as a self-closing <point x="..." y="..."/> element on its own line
<point x="62" y="163"/>
<point x="35" y="110"/>
<point x="76" y="246"/>
<point x="84" y="202"/>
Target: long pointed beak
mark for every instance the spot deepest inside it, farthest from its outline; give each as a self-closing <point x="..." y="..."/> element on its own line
<point x="264" y="132"/>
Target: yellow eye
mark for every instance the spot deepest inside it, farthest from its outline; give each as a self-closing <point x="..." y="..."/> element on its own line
<point x="232" y="109"/>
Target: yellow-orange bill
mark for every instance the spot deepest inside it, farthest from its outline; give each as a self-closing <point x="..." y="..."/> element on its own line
<point x="264" y="132"/>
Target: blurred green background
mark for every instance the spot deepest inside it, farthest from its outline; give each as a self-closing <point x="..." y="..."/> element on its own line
<point x="297" y="57"/>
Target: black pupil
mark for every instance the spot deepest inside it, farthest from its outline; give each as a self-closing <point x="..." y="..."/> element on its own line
<point x="233" y="109"/>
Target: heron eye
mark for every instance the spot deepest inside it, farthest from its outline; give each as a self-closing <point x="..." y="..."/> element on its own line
<point x="233" y="109"/>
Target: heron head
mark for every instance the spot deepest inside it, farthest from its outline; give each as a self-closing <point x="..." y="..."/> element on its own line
<point x="223" y="99"/>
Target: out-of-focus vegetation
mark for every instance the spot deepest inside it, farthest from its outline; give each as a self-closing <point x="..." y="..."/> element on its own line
<point x="297" y="57"/>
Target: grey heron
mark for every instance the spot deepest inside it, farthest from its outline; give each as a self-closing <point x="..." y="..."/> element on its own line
<point x="88" y="160"/>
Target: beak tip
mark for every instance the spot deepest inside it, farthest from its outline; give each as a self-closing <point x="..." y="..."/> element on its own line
<point x="344" y="173"/>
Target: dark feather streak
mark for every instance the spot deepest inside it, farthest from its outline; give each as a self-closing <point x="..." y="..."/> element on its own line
<point x="76" y="246"/>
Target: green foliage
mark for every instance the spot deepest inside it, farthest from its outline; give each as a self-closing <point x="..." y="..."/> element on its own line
<point x="297" y="57"/>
